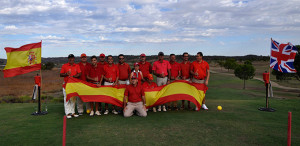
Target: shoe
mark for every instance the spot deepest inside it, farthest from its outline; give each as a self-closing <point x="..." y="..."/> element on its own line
<point x="204" y="107"/>
<point x="159" y="108"/>
<point x="169" y="108"/>
<point x="175" y="108"/>
<point x="75" y="115"/>
<point x="114" y="112"/>
<point x="196" y="108"/>
<point x="80" y="114"/>
<point x="106" y="112"/>
<point x="69" y="116"/>
<point x="98" y="113"/>
<point x="164" y="108"/>
<point x="92" y="113"/>
<point x="154" y="109"/>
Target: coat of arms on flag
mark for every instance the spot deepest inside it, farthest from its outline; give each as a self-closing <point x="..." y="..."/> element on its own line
<point x="282" y="57"/>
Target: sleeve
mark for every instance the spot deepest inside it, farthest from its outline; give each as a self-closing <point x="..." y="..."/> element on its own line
<point x="207" y="66"/>
<point x="62" y="70"/>
<point x="126" y="91"/>
<point x="154" y="66"/>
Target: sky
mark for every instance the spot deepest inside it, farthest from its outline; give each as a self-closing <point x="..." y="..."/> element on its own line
<point x="132" y="27"/>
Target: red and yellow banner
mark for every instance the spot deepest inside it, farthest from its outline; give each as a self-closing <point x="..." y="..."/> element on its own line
<point x="178" y="90"/>
<point x="23" y="60"/>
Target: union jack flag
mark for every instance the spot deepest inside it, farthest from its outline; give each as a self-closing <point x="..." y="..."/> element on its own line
<point x="282" y="57"/>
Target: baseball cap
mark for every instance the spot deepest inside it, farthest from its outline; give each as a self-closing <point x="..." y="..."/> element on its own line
<point x="136" y="64"/>
<point x="82" y="55"/>
<point x="143" y="55"/>
<point x="150" y="77"/>
<point x="161" y="54"/>
<point x="71" y="56"/>
<point x="102" y="55"/>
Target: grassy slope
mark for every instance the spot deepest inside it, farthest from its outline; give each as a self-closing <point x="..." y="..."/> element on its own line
<point x="239" y="123"/>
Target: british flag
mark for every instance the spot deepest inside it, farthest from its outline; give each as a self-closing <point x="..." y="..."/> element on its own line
<point x="282" y="57"/>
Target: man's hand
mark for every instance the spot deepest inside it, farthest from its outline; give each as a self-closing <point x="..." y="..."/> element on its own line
<point x="145" y="107"/>
<point x="96" y="79"/>
<point x="114" y="84"/>
<point x="206" y="82"/>
<point x="98" y="85"/>
<point x="172" y="78"/>
<point x="125" y="108"/>
<point x="196" y="74"/>
<point x="110" y="79"/>
<point x="162" y="75"/>
<point x="168" y="82"/>
<point x="69" y="73"/>
<point x="183" y="77"/>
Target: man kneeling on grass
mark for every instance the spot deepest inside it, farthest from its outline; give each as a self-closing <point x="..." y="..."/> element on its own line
<point x="135" y="95"/>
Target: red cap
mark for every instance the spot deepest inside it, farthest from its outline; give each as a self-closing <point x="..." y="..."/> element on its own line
<point x="150" y="77"/>
<point x="82" y="55"/>
<point x="136" y="64"/>
<point x="143" y="55"/>
<point x="102" y="55"/>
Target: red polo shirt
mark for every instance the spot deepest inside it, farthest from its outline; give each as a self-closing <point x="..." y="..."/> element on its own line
<point x="101" y="65"/>
<point x="111" y="71"/>
<point x="175" y="68"/>
<point x="145" y="68"/>
<point x="134" y="93"/>
<point x="151" y="86"/>
<point x="161" y="67"/>
<point x="200" y="68"/>
<point x="124" y="71"/>
<point x="83" y="69"/>
<point x="94" y="72"/>
<point x="75" y="69"/>
<point x="185" y="69"/>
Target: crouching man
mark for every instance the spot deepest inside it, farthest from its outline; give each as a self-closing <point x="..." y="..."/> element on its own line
<point x="135" y="95"/>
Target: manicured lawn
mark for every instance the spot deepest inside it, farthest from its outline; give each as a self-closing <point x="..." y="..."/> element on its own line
<point x="239" y="123"/>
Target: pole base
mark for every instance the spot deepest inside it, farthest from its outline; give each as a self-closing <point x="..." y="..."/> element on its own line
<point x="266" y="109"/>
<point x="39" y="113"/>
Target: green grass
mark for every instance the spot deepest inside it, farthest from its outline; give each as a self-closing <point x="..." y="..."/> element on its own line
<point x="239" y="123"/>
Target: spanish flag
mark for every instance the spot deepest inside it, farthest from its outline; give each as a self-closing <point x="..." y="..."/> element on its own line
<point x="178" y="90"/>
<point x="23" y="60"/>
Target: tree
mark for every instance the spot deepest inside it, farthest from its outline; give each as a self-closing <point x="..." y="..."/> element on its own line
<point x="221" y="63"/>
<point x="244" y="72"/>
<point x="48" y="66"/>
<point x="230" y="64"/>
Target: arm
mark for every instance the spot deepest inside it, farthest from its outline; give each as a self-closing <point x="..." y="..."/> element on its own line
<point x="207" y="77"/>
<point x="130" y="76"/>
<point x="179" y="74"/>
<point x="142" y="76"/>
<point x="125" y="103"/>
<point x="169" y="76"/>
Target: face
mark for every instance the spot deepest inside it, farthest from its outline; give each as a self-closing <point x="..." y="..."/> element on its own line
<point x="172" y="58"/>
<point x="199" y="57"/>
<point x="94" y="61"/>
<point x="102" y="59"/>
<point x="110" y="60"/>
<point x="121" y="59"/>
<point x="136" y="67"/>
<point x="161" y="57"/>
<point x="134" y="81"/>
<point x="143" y="59"/>
<point x="186" y="57"/>
<point x="71" y="60"/>
<point x="83" y="59"/>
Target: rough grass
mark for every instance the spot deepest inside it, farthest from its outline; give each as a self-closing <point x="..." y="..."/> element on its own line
<point x="239" y="123"/>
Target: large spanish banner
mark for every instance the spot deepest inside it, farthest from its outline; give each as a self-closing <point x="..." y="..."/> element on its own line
<point x="22" y="60"/>
<point x="178" y="90"/>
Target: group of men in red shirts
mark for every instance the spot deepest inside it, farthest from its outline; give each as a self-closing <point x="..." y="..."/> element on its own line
<point x="140" y="77"/>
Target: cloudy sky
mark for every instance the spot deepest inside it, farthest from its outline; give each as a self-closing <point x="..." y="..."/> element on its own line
<point x="215" y="27"/>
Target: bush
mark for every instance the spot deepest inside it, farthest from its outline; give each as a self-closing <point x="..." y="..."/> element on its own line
<point x="48" y="66"/>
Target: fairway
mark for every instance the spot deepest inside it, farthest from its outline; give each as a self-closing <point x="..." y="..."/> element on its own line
<point x="239" y="123"/>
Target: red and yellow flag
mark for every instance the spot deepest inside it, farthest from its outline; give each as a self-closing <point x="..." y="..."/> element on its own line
<point x="178" y="90"/>
<point x="23" y="60"/>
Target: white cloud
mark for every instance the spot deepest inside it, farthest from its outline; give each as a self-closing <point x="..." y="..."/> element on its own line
<point x="10" y="27"/>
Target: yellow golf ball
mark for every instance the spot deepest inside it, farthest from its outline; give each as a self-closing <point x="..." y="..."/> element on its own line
<point x="88" y="111"/>
<point x="219" y="108"/>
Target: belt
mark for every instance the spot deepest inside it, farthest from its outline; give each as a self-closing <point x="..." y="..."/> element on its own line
<point x="123" y="80"/>
<point x="199" y="79"/>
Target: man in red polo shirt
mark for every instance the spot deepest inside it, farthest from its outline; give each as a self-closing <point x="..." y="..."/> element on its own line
<point x="68" y="70"/>
<point x="110" y="77"/>
<point x="84" y="65"/>
<point x="162" y="70"/>
<point x="135" y="95"/>
<point x="101" y="64"/>
<point x="200" y="71"/>
<point x="185" y="66"/>
<point x="175" y="75"/>
<point x="94" y="76"/>
<point x="145" y="67"/>
<point x="149" y="84"/>
<point x="124" y="70"/>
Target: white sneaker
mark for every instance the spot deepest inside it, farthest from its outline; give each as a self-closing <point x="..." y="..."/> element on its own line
<point x="69" y="116"/>
<point x="154" y="109"/>
<point x="80" y="114"/>
<point x="164" y="108"/>
<point x="75" y="115"/>
<point x="92" y="113"/>
<point x="114" y="112"/>
<point x="106" y="112"/>
<point x="98" y="113"/>
<point x="204" y="107"/>
<point x="196" y="109"/>
<point x="159" y="108"/>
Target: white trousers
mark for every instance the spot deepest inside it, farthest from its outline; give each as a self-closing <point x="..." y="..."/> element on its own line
<point x="79" y="105"/>
<point x="69" y="105"/>
<point x="161" y="81"/>
<point x="126" y="82"/>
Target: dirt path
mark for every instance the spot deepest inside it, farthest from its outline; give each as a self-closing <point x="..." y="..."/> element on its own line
<point x="260" y="79"/>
